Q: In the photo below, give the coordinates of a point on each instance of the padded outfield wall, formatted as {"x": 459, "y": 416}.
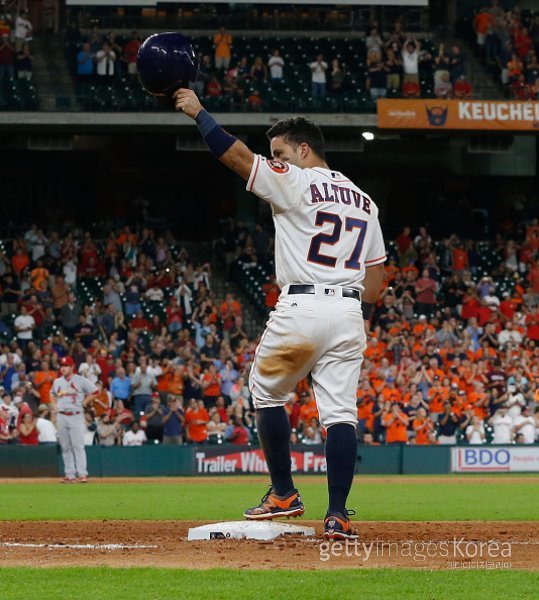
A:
{"x": 168, "y": 461}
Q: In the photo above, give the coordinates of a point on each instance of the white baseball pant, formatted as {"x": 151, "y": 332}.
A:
{"x": 71, "y": 430}
{"x": 322, "y": 334}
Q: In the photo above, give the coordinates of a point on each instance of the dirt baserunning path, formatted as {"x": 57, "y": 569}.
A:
{"x": 432, "y": 545}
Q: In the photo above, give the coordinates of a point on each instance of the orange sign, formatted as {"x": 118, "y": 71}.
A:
{"x": 436, "y": 114}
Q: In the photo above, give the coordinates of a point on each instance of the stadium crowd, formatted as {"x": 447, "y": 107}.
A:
{"x": 16, "y": 33}
{"x": 453, "y": 349}
{"x": 384, "y": 62}
{"x": 453, "y": 352}
{"x": 508, "y": 41}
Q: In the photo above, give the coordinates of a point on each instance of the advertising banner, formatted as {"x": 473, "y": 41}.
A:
{"x": 435, "y": 114}
{"x": 495, "y": 459}
{"x": 222, "y": 460}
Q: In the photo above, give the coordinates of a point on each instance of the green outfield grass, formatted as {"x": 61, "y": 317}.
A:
{"x": 376, "y": 499}
{"x": 168, "y": 584}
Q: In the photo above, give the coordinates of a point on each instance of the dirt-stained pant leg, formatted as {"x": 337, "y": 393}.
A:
{"x": 287, "y": 351}
{"x": 308, "y": 333}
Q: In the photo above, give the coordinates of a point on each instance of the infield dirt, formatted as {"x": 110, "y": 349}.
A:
{"x": 171, "y": 548}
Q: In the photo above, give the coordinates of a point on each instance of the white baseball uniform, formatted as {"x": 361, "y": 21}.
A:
{"x": 326, "y": 233}
{"x": 69, "y": 395}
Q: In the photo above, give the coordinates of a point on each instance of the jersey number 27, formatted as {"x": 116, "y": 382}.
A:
{"x": 350, "y": 224}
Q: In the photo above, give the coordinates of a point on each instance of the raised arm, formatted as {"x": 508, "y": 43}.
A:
{"x": 228, "y": 149}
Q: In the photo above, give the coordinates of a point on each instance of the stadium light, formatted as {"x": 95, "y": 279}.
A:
{"x": 368, "y": 136}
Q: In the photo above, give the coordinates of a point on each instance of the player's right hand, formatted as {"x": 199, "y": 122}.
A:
{"x": 186, "y": 100}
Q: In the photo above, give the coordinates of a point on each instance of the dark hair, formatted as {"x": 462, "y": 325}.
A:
{"x": 298, "y": 130}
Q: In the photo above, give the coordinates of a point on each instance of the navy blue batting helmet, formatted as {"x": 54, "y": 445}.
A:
{"x": 165, "y": 63}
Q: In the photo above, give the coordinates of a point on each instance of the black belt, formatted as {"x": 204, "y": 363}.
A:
{"x": 329, "y": 291}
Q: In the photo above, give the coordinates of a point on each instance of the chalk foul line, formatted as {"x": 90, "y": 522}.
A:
{"x": 78, "y": 546}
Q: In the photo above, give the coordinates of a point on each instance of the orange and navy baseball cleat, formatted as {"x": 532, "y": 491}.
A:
{"x": 339, "y": 527}
{"x": 273, "y": 506}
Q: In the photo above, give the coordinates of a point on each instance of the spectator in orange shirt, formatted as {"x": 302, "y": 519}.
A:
{"x": 421, "y": 326}
{"x": 271, "y": 292}
{"x": 222, "y": 43}
{"x": 422, "y": 425}
{"x": 39, "y": 276}
{"x": 19, "y": 261}
{"x": 307, "y": 410}
{"x": 196, "y": 421}
{"x": 230, "y": 309}
{"x": 375, "y": 350}
{"x": 396, "y": 424}
{"x": 437, "y": 395}
{"x": 486, "y": 351}
{"x": 481, "y": 23}
{"x": 459, "y": 401}
{"x": 365, "y": 403}
{"x": 377, "y": 380}
{"x": 390, "y": 392}
{"x": 254, "y": 101}
{"x": 176, "y": 385}
{"x": 126, "y": 236}
{"x": 433, "y": 369}
{"x": 478, "y": 399}
{"x": 43, "y": 381}
{"x": 164, "y": 378}
{"x": 211, "y": 386}
{"x": 103, "y": 402}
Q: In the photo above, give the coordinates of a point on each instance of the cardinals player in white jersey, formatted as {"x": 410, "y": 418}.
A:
{"x": 329, "y": 255}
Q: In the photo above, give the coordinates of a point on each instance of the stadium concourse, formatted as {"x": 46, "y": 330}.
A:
{"x": 453, "y": 355}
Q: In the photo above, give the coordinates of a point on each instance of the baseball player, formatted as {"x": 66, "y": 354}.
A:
{"x": 329, "y": 255}
{"x": 71, "y": 393}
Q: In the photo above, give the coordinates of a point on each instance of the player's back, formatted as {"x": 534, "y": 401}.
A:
{"x": 326, "y": 228}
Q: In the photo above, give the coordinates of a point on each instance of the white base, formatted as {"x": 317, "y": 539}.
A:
{"x": 248, "y": 530}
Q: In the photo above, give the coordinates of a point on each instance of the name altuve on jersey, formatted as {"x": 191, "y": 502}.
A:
{"x": 344, "y": 195}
